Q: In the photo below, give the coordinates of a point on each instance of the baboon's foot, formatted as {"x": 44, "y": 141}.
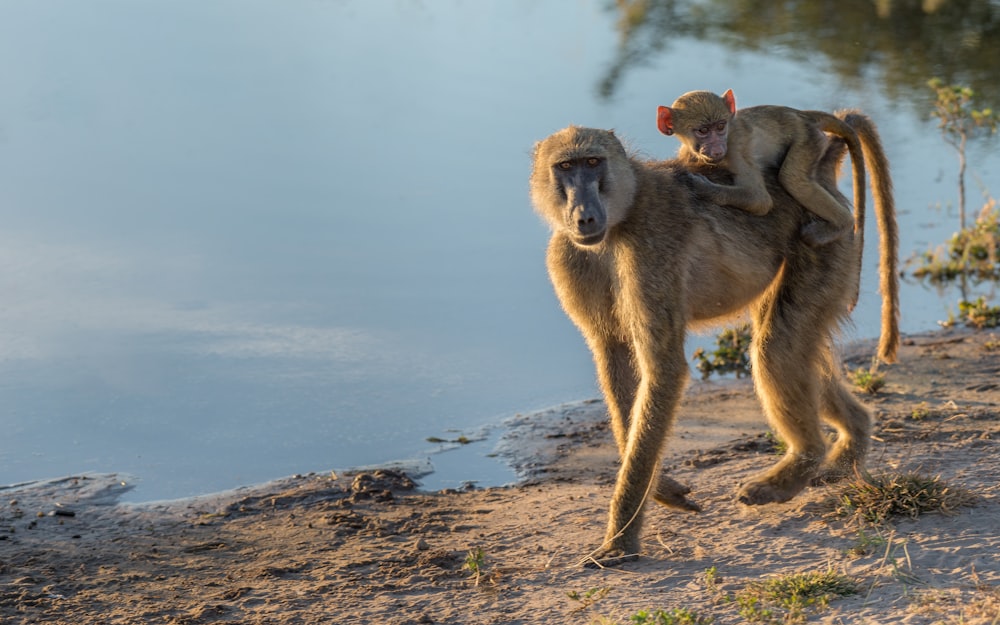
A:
{"x": 844, "y": 461}
{"x": 820, "y": 232}
{"x": 831, "y": 475}
{"x": 833, "y": 472}
{"x": 779, "y": 484}
{"x": 672, "y": 494}
{"x": 609, "y": 558}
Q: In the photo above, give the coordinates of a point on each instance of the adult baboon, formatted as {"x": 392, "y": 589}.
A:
{"x": 635, "y": 260}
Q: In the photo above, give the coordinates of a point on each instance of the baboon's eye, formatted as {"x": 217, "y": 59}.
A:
{"x": 565, "y": 165}
{"x": 720, "y": 126}
{"x": 593, "y": 161}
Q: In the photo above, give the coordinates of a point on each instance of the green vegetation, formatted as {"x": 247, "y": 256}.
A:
{"x": 921, "y": 412}
{"x": 971, "y": 252}
{"x": 475, "y": 562}
{"x": 875, "y": 500}
{"x": 991, "y": 344}
{"x": 979, "y": 314}
{"x": 791, "y": 598}
{"x": 589, "y": 598}
{"x": 676, "y": 616}
{"x": 868, "y": 380}
{"x": 959, "y": 122}
{"x": 730, "y": 355}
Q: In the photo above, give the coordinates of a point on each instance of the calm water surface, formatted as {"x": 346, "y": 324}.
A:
{"x": 241, "y": 240}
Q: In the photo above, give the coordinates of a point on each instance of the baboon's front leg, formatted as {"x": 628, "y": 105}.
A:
{"x": 617, "y": 377}
{"x": 664, "y": 375}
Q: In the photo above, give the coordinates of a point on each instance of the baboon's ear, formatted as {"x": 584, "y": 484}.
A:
{"x": 665, "y": 120}
{"x": 730, "y": 99}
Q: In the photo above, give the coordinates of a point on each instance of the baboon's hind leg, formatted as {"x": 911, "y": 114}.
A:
{"x": 798, "y": 177}
{"x": 785, "y": 377}
{"x": 792, "y": 327}
{"x": 852, "y": 421}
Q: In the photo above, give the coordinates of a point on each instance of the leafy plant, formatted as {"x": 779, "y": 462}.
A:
{"x": 971, "y": 251}
{"x": 712, "y": 580}
{"x": 590, "y": 597}
{"x": 978, "y": 314}
{"x": 730, "y": 356}
{"x": 675, "y": 616}
{"x": 780, "y": 446}
{"x": 991, "y": 344}
{"x": 959, "y": 122}
{"x": 474, "y": 562}
{"x": 921, "y": 412}
{"x": 868, "y": 380}
{"x": 789, "y": 598}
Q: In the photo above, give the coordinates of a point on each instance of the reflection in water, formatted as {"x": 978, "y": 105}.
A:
{"x": 894, "y": 45}
{"x": 245, "y": 239}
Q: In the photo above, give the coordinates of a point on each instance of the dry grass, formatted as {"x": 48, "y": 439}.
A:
{"x": 876, "y": 500}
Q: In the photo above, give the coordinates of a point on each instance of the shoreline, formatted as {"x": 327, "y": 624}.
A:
{"x": 371, "y": 548}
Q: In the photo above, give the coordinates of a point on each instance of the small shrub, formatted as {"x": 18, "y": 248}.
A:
{"x": 991, "y": 344}
{"x": 712, "y": 580}
{"x": 474, "y": 562}
{"x": 978, "y": 314}
{"x": 921, "y": 412}
{"x": 589, "y": 598}
{"x": 868, "y": 380}
{"x": 959, "y": 123}
{"x": 676, "y": 616}
{"x": 971, "y": 252}
{"x": 780, "y": 446}
{"x": 875, "y": 500}
{"x": 730, "y": 356}
{"x": 789, "y": 598}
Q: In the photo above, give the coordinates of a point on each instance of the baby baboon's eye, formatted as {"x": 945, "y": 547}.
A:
{"x": 565, "y": 165}
{"x": 593, "y": 161}
{"x": 720, "y": 126}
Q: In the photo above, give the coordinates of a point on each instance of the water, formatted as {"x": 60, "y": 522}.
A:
{"x": 246, "y": 239}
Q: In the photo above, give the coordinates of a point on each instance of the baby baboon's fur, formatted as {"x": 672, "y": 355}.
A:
{"x": 635, "y": 260}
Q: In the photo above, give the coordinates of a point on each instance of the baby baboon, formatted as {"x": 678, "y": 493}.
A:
{"x": 636, "y": 258}
{"x": 744, "y": 143}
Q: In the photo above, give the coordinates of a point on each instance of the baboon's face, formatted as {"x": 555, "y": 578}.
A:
{"x": 700, "y": 119}
{"x": 578, "y": 182}
{"x": 579, "y": 185}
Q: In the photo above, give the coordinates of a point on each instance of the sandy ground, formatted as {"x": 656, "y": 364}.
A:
{"x": 370, "y": 548}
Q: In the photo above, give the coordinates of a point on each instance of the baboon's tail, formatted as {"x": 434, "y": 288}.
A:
{"x": 837, "y": 126}
{"x": 885, "y": 214}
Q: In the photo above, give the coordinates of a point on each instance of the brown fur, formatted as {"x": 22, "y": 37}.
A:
{"x": 713, "y": 132}
{"x": 636, "y": 259}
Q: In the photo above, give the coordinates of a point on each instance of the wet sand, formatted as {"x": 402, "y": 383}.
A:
{"x": 372, "y": 548}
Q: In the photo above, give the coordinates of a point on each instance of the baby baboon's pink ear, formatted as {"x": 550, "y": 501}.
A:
{"x": 730, "y": 99}
{"x": 664, "y": 120}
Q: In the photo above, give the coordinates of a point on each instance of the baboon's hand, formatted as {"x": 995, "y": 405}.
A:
{"x": 702, "y": 186}
{"x": 673, "y": 494}
{"x": 818, "y": 232}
